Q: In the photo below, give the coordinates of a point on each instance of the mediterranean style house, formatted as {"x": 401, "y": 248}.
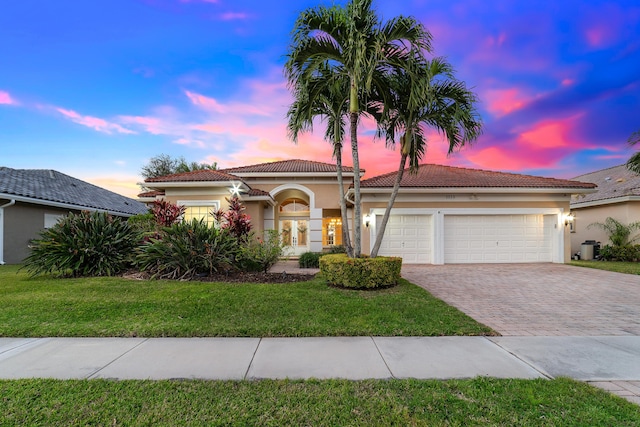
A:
{"x": 442, "y": 214}
{"x": 618, "y": 197}
{"x": 34, "y": 199}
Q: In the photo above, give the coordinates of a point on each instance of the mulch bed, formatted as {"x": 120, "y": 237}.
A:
{"x": 236, "y": 277}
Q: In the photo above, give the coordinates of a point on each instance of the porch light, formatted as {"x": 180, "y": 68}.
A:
{"x": 367, "y": 220}
{"x": 569, "y": 218}
{"x": 235, "y": 189}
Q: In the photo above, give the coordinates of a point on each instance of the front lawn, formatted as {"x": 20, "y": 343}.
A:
{"x": 117, "y": 307}
{"x": 619, "y": 267}
{"x": 481, "y": 401}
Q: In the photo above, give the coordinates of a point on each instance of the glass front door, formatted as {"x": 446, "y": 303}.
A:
{"x": 295, "y": 235}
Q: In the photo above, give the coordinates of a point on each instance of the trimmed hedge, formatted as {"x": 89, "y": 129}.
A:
{"x": 361, "y": 273}
{"x": 309, "y": 260}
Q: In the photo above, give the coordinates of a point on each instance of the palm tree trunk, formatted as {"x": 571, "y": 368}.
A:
{"x": 357, "y": 226}
{"x": 346, "y": 239}
{"x": 383, "y": 224}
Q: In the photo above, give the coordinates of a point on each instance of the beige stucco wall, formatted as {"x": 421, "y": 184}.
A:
{"x": 625, "y": 212}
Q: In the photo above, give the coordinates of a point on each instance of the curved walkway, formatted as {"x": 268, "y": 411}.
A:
{"x": 537, "y": 299}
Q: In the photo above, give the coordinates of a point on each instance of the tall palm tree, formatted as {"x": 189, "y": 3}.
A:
{"x": 326, "y": 95}
{"x": 352, "y": 42}
{"x": 633, "y": 164}
{"x": 429, "y": 96}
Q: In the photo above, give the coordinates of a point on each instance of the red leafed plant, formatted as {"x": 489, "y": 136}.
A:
{"x": 235, "y": 219}
{"x": 167, "y": 213}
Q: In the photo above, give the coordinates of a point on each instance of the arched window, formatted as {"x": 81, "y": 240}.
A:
{"x": 294, "y": 205}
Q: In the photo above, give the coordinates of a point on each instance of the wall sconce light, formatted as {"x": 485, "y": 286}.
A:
{"x": 569, "y": 218}
{"x": 367, "y": 220}
{"x": 235, "y": 189}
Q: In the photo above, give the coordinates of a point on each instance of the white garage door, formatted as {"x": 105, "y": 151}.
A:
{"x": 498, "y": 238}
{"x": 407, "y": 236}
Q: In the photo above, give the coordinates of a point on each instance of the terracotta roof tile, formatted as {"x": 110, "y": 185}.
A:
{"x": 438, "y": 176}
{"x": 153, "y": 193}
{"x": 199, "y": 175}
{"x": 255, "y": 192}
{"x": 612, "y": 182}
{"x": 289, "y": 166}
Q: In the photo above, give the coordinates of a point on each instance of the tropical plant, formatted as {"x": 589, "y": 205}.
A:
{"x": 260, "y": 254}
{"x": 326, "y": 96}
{"x": 619, "y": 234}
{"x": 188, "y": 249}
{"x": 167, "y": 213}
{"x": 235, "y": 220}
{"x": 354, "y": 45}
{"x": 309, "y": 260}
{"x": 425, "y": 96}
{"x": 164, "y": 164}
{"x": 83, "y": 244}
{"x": 633, "y": 164}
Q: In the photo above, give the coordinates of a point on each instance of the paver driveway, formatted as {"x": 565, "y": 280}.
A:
{"x": 537, "y": 299}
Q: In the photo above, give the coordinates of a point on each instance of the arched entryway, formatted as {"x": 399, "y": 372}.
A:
{"x": 293, "y": 210}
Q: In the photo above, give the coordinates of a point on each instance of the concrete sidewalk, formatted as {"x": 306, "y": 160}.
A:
{"x": 583, "y": 358}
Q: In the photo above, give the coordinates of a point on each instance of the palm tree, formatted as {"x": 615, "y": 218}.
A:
{"x": 619, "y": 234}
{"x": 430, "y": 96}
{"x": 353, "y": 43}
{"x": 633, "y": 164}
{"x": 325, "y": 95}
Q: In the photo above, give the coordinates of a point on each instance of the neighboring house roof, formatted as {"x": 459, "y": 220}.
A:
{"x": 613, "y": 183}
{"x": 438, "y": 176}
{"x": 206, "y": 175}
{"x": 289, "y": 166}
{"x": 53, "y": 188}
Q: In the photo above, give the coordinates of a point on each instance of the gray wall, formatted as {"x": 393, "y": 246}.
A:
{"x": 22, "y": 223}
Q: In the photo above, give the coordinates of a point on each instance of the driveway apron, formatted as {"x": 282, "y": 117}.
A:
{"x": 537, "y": 299}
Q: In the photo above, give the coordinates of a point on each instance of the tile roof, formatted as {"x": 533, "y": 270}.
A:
{"x": 612, "y": 182}
{"x": 255, "y": 192}
{"x": 289, "y": 166}
{"x": 53, "y": 186}
{"x": 438, "y": 176}
{"x": 152, "y": 193}
{"x": 199, "y": 175}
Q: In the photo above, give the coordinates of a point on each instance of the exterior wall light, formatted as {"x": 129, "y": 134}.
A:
{"x": 569, "y": 218}
{"x": 367, "y": 220}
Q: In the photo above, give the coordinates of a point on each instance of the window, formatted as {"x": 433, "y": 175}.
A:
{"x": 200, "y": 209}
{"x": 51, "y": 219}
{"x": 294, "y": 206}
{"x": 331, "y": 231}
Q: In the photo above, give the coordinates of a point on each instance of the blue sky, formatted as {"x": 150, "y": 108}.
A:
{"x": 96, "y": 88}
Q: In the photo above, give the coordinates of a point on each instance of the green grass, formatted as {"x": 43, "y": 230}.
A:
{"x": 117, "y": 307}
{"x": 619, "y": 267}
{"x": 480, "y": 401}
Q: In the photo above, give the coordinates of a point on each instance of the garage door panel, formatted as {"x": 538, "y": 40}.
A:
{"x": 498, "y": 238}
{"x": 407, "y": 236}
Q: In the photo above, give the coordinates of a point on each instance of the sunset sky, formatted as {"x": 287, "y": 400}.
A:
{"x": 94, "y": 89}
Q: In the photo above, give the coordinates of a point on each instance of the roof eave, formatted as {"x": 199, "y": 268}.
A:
{"x": 293, "y": 174}
{"x": 63, "y": 205}
{"x": 449, "y": 190}
{"x": 609, "y": 201}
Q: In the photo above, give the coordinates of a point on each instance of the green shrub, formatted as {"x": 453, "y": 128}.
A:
{"x": 360, "y": 273}
{"x": 144, "y": 224}
{"x": 260, "y": 254}
{"x": 620, "y": 253}
{"x": 309, "y": 260}
{"x": 84, "y": 244}
{"x": 188, "y": 249}
{"x": 337, "y": 249}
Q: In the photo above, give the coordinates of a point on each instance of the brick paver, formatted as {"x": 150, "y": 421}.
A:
{"x": 629, "y": 390}
{"x": 537, "y": 299}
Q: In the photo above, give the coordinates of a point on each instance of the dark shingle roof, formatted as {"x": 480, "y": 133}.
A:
{"x": 205, "y": 175}
{"x": 289, "y": 166}
{"x": 438, "y": 176}
{"x": 55, "y": 187}
{"x": 612, "y": 182}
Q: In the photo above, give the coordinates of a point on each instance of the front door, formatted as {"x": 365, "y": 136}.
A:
{"x": 295, "y": 236}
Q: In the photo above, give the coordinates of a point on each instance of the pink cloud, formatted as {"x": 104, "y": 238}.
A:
{"x": 94, "y": 123}
{"x": 6, "y": 99}
{"x": 551, "y": 134}
{"x": 213, "y": 106}
{"x": 504, "y": 101}
{"x": 233, "y": 16}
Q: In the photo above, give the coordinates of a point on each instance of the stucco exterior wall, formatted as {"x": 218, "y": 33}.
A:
{"x": 625, "y": 212}
{"x": 23, "y": 223}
